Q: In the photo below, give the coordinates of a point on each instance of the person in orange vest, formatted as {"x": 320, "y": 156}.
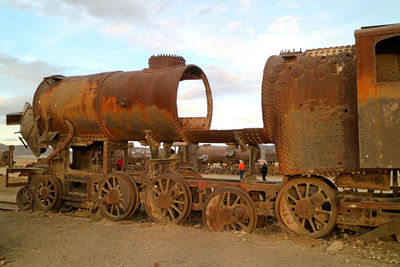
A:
{"x": 241, "y": 169}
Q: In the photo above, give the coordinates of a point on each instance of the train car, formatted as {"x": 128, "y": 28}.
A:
{"x": 334, "y": 113}
{"x": 222, "y": 159}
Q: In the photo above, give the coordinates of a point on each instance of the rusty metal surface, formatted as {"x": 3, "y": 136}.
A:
{"x": 229, "y": 209}
{"x": 370, "y": 180}
{"x": 378, "y": 88}
{"x": 167, "y": 198}
{"x": 387, "y": 229}
{"x": 118, "y": 196}
{"x": 366, "y": 209}
{"x": 25, "y": 198}
{"x": 121, "y": 105}
{"x": 306, "y": 206}
{"x": 310, "y": 111}
{"x": 248, "y": 136}
{"x": 204, "y": 186}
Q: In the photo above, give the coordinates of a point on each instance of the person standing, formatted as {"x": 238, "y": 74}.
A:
{"x": 241, "y": 169}
{"x": 264, "y": 170}
{"x": 120, "y": 164}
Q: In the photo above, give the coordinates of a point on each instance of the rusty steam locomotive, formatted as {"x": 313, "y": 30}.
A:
{"x": 332, "y": 113}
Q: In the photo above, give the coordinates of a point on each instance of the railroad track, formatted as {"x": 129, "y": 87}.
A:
{"x": 8, "y": 205}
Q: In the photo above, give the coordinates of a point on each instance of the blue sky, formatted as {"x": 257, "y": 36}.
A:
{"x": 229, "y": 40}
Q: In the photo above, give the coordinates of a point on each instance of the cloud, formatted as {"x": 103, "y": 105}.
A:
{"x": 284, "y": 24}
{"x": 287, "y": 5}
{"x": 7, "y": 135}
{"x": 137, "y": 11}
{"x": 236, "y": 113}
{"x": 245, "y": 4}
{"x": 26, "y": 71}
{"x": 9, "y": 105}
{"x": 234, "y": 25}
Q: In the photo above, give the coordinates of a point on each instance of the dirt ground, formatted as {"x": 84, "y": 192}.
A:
{"x": 79, "y": 238}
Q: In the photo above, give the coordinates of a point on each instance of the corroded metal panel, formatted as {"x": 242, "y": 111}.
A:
{"x": 378, "y": 86}
{"x": 310, "y": 112}
{"x": 372, "y": 180}
{"x": 245, "y": 136}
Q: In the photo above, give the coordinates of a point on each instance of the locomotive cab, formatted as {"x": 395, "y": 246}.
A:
{"x": 378, "y": 90}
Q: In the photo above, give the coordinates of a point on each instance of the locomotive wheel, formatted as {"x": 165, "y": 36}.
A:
{"x": 118, "y": 196}
{"x": 136, "y": 196}
{"x": 25, "y": 198}
{"x": 306, "y": 206}
{"x": 48, "y": 192}
{"x": 168, "y": 199}
{"x": 229, "y": 209}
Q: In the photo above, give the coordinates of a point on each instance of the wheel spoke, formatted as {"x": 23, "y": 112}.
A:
{"x": 221, "y": 200}
{"x": 156, "y": 191}
{"x": 307, "y": 189}
{"x": 228, "y": 199}
{"x": 171, "y": 213}
{"x": 291, "y": 197}
{"x": 178, "y": 202}
{"x": 241, "y": 225}
{"x": 234, "y": 227}
{"x": 320, "y": 220}
{"x": 323, "y": 211}
{"x": 108, "y": 183}
{"x": 175, "y": 208}
{"x": 297, "y": 191}
{"x": 167, "y": 186}
{"x": 160, "y": 182}
{"x": 103, "y": 189}
{"x": 178, "y": 195}
{"x": 236, "y": 200}
{"x": 312, "y": 224}
{"x": 117, "y": 208}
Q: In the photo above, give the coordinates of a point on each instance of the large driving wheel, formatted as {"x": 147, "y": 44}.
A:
{"x": 25, "y": 198}
{"x": 167, "y": 198}
{"x": 229, "y": 209}
{"x": 306, "y": 206}
{"x": 118, "y": 196}
{"x": 48, "y": 192}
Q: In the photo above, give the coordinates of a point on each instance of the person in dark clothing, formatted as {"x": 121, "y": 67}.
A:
{"x": 264, "y": 170}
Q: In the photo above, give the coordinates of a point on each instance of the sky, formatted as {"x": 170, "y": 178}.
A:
{"x": 229, "y": 40}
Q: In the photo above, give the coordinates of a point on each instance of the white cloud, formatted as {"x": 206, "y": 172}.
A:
{"x": 284, "y": 24}
{"x": 116, "y": 30}
{"x": 33, "y": 71}
{"x": 288, "y": 5}
{"x": 245, "y": 4}
{"x": 236, "y": 113}
{"x": 234, "y": 25}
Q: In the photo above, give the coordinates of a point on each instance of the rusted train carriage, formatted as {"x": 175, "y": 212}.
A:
{"x": 332, "y": 113}
{"x": 221, "y": 159}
